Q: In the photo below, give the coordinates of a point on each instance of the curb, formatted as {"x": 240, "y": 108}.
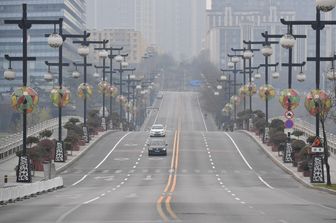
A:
{"x": 65, "y": 166}
{"x": 286, "y": 169}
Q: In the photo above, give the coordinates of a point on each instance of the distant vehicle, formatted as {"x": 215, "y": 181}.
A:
{"x": 159, "y": 96}
{"x": 157, "y": 130}
{"x": 157, "y": 147}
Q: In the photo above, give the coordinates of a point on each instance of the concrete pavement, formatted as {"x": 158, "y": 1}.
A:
{"x": 8, "y": 167}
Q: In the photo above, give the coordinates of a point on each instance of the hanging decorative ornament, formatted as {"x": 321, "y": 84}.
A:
{"x": 251, "y": 89}
{"x": 243, "y": 90}
{"x": 24, "y": 98}
{"x": 228, "y": 108}
{"x": 235, "y": 99}
{"x": 113, "y": 91}
{"x": 84, "y": 91}
{"x": 289, "y": 99}
{"x": 318, "y": 102}
{"x": 267, "y": 92}
{"x": 103, "y": 87}
{"x": 60, "y": 97}
{"x": 287, "y": 41}
{"x": 325, "y": 5}
{"x": 121, "y": 99}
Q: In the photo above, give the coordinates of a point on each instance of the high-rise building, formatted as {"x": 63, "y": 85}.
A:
{"x": 132, "y": 42}
{"x": 73, "y": 14}
{"x": 145, "y": 20}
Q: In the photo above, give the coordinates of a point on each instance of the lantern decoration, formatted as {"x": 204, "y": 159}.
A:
{"x": 24, "y": 98}
{"x": 289, "y": 99}
{"x": 235, "y": 100}
{"x": 275, "y": 75}
{"x": 55, "y": 40}
{"x": 325, "y": 5}
{"x": 128, "y": 107}
{"x": 301, "y": 76}
{"x": 103, "y": 54}
{"x": 119, "y": 58}
{"x": 216, "y": 93}
{"x": 96, "y": 75}
{"x": 60, "y": 97}
{"x": 9, "y": 74}
{"x": 331, "y": 74}
{"x": 113, "y": 91}
{"x": 267, "y": 92}
{"x": 223, "y": 77}
{"x": 235, "y": 59}
{"x": 318, "y": 102}
{"x": 75, "y": 74}
{"x": 267, "y": 50}
{"x": 257, "y": 75}
{"x": 228, "y": 108}
{"x": 230, "y": 64}
{"x": 84, "y": 90}
{"x": 287, "y": 41}
{"x": 251, "y": 89}
{"x": 48, "y": 76}
{"x": 243, "y": 90}
{"x": 121, "y": 99}
{"x": 219, "y": 87}
{"x": 248, "y": 54}
{"x": 124, "y": 65}
{"x": 103, "y": 87}
{"x": 83, "y": 50}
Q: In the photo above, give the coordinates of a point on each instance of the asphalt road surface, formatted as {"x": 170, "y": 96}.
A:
{"x": 207, "y": 176}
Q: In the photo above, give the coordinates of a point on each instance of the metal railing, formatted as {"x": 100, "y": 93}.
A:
{"x": 11, "y": 144}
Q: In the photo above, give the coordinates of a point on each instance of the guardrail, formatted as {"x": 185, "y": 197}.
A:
{"x": 16, "y": 193}
{"x": 13, "y": 143}
{"x": 309, "y": 130}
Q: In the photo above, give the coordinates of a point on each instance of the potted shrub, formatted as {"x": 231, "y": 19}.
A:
{"x": 297, "y": 145}
{"x": 276, "y": 139}
{"x": 297, "y": 133}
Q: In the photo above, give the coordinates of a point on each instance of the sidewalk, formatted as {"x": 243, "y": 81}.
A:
{"x": 288, "y": 167}
{"x": 7, "y": 167}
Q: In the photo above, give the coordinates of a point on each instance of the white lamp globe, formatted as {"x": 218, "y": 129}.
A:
{"x": 96, "y": 75}
{"x": 219, "y": 87}
{"x": 132, "y": 77}
{"x": 223, "y": 78}
{"x": 267, "y": 51}
{"x": 230, "y": 64}
{"x": 138, "y": 87}
{"x": 124, "y": 64}
{"x": 10, "y": 74}
{"x": 331, "y": 74}
{"x": 83, "y": 50}
{"x": 287, "y": 41}
{"x": 103, "y": 54}
{"x": 119, "y": 58}
{"x": 248, "y": 54}
{"x": 275, "y": 75}
{"x": 216, "y": 93}
{"x": 75, "y": 74}
{"x": 325, "y": 5}
{"x": 301, "y": 77}
{"x": 257, "y": 76}
{"x": 55, "y": 40}
{"x": 48, "y": 76}
{"x": 235, "y": 59}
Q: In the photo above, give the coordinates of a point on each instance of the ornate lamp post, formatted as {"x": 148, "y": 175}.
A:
{"x": 26, "y": 98}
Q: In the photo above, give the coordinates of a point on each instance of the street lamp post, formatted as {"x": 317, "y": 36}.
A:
{"x": 24, "y": 169}
{"x": 317, "y": 25}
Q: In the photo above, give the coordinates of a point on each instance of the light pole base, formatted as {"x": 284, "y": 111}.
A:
{"x": 266, "y": 135}
{"x": 59, "y": 152}
{"x": 103, "y": 124}
{"x": 23, "y": 173}
{"x": 317, "y": 174}
{"x": 111, "y": 125}
{"x": 287, "y": 154}
{"x": 86, "y": 135}
{"x": 250, "y": 124}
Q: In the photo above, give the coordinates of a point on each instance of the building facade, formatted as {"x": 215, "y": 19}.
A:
{"x": 132, "y": 42}
{"x": 73, "y": 14}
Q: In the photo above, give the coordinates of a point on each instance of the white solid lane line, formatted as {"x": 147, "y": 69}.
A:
{"x": 115, "y": 146}
{"x": 87, "y": 202}
{"x": 199, "y": 105}
{"x": 249, "y": 166}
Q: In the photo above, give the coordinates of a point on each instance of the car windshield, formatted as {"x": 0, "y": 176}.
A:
{"x": 157, "y": 127}
{"x": 157, "y": 143}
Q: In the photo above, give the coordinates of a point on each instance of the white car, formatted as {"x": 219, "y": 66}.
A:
{"x": 157, "y": 130}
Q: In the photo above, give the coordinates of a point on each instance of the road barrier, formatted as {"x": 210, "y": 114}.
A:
{"x": 11, "y": 144}
{"x": 17, "y": 193}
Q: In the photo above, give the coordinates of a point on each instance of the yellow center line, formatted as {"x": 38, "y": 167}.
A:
{"x": 159, "y": 209}
{"x": 169, "y": 208}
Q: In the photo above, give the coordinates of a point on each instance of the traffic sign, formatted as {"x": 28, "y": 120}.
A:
{"x": 289, "y": 124}
{"x": 289, "y": 114}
